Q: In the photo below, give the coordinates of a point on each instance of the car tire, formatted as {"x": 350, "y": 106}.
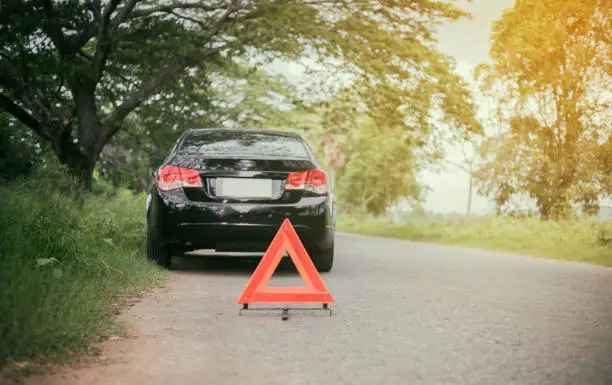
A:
{"x": 159, "y": 254}
{"x": 324, "y": 260}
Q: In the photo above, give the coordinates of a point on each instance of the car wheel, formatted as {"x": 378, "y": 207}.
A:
{"x": 323, "y": 260}
{"x": 159, "y": 254}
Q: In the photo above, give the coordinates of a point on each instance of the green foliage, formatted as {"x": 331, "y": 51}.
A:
{"x": 18, "y": 149}
{"x": 604, "y": 236}
{"x": 161, "y": 58}
{"x": 63, "y": 267}
{"x": 563, "y": 240}
{"x": 551, "y": 64}
{"x": 379, "y": 171}
{"x": 401, "y": 80}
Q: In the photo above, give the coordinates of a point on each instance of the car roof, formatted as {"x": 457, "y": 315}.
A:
{"x": 196, "y": 131}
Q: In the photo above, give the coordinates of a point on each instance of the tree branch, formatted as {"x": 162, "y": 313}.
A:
{"x": 187, "y": 18}
{"x": 75, "y": 43}
{"x": 66, "y": 45}
{"x": 104, "y": 40}
{"x": 22, "y": 115}
{"x": 125, "y": 12}
{"x": 154, "y": 81}
{"x": 7, "y": 58}
{"x": 458, "y": 165}
{"x": 96, "y": 9}
{"x": 33, "y": 99}
{"x": 468, "y": 160}
{"x": 53, "y": 28}
{"x": 173, "y": 7}
{"x": 112, "y": 71}
{"x": 147, "y": 88}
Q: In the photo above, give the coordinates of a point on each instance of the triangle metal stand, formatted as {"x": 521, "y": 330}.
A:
{"x": 284, "y": 309}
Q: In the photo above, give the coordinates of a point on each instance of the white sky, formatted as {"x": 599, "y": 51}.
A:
{"x": 468, "y": 42}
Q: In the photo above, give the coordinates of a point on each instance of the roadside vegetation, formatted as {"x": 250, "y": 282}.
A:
{"x": 579, "y": 240}
{"x": 66, "y": 263}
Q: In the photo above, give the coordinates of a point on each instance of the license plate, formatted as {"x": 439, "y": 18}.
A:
{"x": 244, "y": 188}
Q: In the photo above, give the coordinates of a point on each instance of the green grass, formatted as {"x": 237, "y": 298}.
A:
{"x": 585, "y": 241}
{"x": 64, "y": 267}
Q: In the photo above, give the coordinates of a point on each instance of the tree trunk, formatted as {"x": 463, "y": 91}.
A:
{"x": 80, "y": 166}
{"x": 469, "y": 202}
{"x": 82, "y": 171}
{"x": 81, "y": 157}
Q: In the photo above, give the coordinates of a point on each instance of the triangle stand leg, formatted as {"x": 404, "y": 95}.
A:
{"x": 284, "y": 309}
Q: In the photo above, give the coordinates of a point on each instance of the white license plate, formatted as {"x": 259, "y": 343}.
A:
{"x": 244, "y": 188}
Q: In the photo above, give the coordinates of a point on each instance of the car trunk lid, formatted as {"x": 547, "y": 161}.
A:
{"x": 227, "y": 179}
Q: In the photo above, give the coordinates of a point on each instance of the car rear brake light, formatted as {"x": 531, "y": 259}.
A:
{"x": 311, "y": 180}
{"x": 173, "y": 177}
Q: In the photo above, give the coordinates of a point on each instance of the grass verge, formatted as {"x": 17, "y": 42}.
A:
{"x": 64, "y": 267}
{"x": 583, "y": 241}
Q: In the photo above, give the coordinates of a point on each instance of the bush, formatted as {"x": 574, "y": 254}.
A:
{"x": 62, "y": 266}
{"x": 587, "y": 241}
{"x": 18, "y": 151}
{"x": 604, "y": 235}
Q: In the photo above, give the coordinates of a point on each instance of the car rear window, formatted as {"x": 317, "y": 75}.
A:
{"x": 244, "y": 144}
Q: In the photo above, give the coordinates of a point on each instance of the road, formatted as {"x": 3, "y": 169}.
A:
{"x": 405, "y": 313}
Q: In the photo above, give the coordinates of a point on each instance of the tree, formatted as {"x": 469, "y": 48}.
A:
{"x": 551, "y": 71}
{"x": 468, "y": 165}
{"x": 379, "y": 172}
{"x": 76, "y": 71}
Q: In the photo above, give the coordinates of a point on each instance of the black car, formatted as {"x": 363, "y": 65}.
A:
{"x": 229, "y": 190}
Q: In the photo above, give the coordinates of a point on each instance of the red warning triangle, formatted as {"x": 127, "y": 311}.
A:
{"x": 285, "y": 241}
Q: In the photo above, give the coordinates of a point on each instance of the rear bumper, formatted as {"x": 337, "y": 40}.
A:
{"x": 187, "y": 225}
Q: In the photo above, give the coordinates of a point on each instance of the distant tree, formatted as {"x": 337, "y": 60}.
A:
{"x": 551, "y": 71}
{"x": 380, "y": 170}
{"x": 468, "y": 164}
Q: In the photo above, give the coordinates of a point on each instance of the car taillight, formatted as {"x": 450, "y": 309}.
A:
{"x": 173, "y": 177}
{"x": 311, "y": 180}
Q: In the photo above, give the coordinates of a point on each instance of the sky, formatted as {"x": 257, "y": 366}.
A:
{"x": 468, "y": 42}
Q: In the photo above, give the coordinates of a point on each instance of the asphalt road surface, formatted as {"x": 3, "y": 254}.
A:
{"x": 405, "y": 313}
